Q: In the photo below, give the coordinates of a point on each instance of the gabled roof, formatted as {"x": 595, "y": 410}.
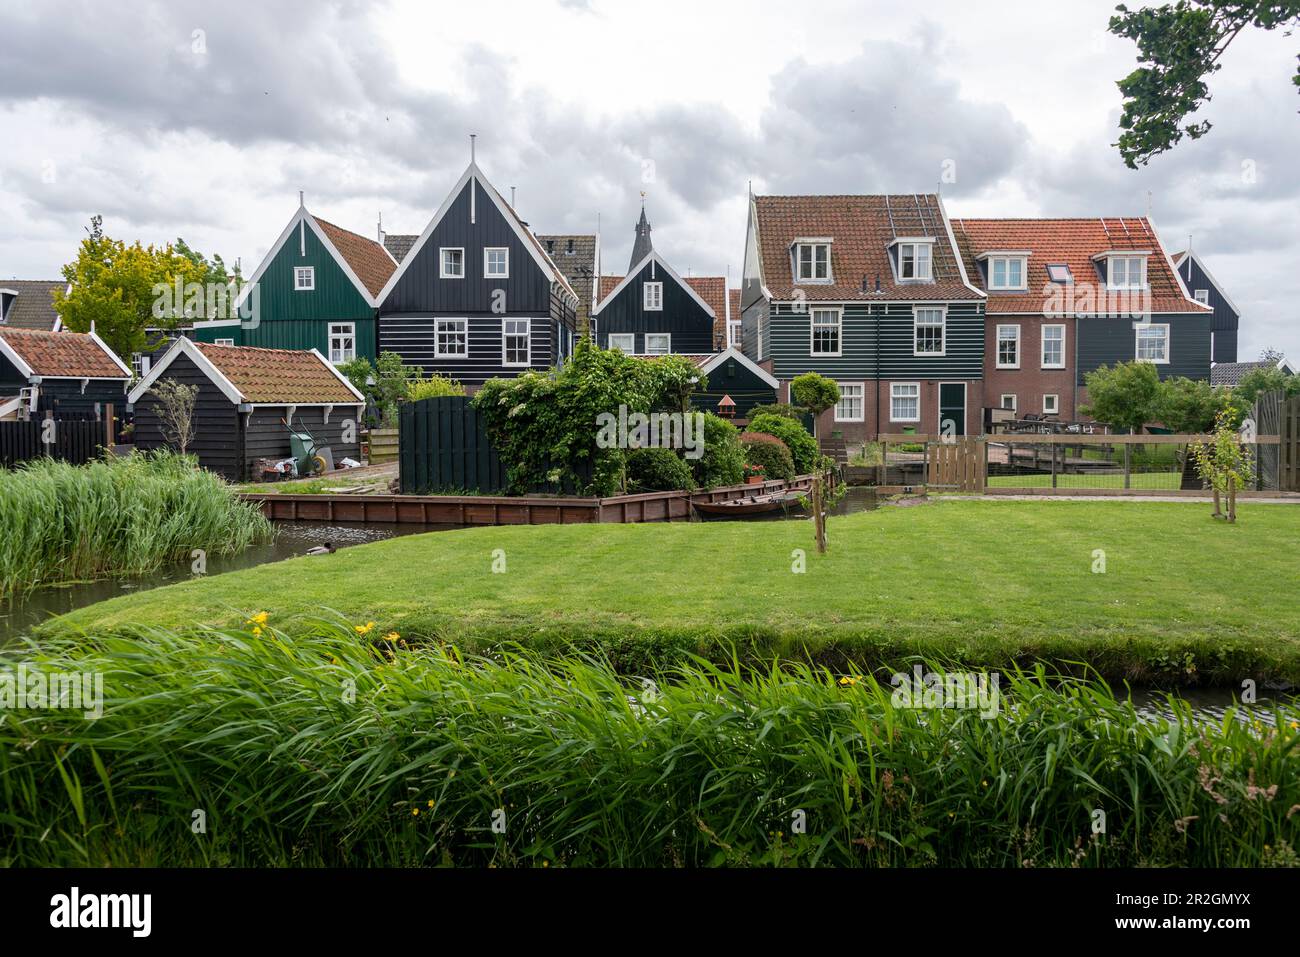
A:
{"x": 578, "y": 266}
{"x": 520, "y": 228}
{"x": 615, "y": 284}
{"x": 369, "y": 257}
{"x": 734, "y": 354}
{"x": 399, "y": 244}
{"x": 1079, "y": 244}
{"x": 1231, "y": 373}
{"x": 713, "y": 290}
{"x": 369, "y": 260}
{"x": 247, "y": 375}
{"x": 1181, "y": 255}
{"x": 61, "y": 355}
{"x": 861, "y": 230}
{"x": 30, "y": 303}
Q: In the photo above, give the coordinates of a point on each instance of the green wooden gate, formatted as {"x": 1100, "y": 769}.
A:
{"x": 443, "y": 447}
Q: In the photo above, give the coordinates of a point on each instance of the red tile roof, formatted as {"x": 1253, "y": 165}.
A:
{"x": 369, "y": 260}
{"x": 1074, "y": 243}
{"x": 55, "y": 355}
{"x": 277, "y": 375}
{"x": 861, "y": 229}
{"x": 713, "y": 290}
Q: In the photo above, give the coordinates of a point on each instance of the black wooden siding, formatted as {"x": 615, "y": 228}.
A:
{"x": 413, "y": 338}
{"x": 64, "y": 398}
{"x": 734, "y": 379}
{"x": 218, "y": 435}
{"x": 420, "y": 291}
{"x": 1226, "y": 319}
{"x": 1108, "y": 341}
{"x": 877, "y": 340}
{"x": 267, "y": 437}
{"x": 690, "y": 326}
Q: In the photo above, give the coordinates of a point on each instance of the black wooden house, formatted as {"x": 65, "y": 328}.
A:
{"x": 246, "y": 402}
{"x": 476, "y": 296}
{"x": 59, "y": 375}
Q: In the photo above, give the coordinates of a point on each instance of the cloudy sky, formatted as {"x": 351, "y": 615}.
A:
{"x": 203, "y": 120}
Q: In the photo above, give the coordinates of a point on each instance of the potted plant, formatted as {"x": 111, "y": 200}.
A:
{"x": 753, "y": 474}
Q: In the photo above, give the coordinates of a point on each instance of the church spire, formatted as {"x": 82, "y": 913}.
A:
{"x": 642, "y": 246}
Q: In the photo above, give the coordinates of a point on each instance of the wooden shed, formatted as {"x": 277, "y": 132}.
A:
{"x": 732, "y": 374}
{"x": 247, "y": 398}
{"x": 59, "y": 375}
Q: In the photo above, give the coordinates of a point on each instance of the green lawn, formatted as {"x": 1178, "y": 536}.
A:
{"x": 1139, "y": 480}
{"x": 984, "y": 582}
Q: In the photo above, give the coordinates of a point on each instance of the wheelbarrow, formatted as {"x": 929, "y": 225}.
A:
{"x": 311, "y": 457}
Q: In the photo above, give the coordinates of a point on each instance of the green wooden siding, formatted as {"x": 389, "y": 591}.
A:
{"x": 334, "y": 298}
{"x": 292, "y": 334}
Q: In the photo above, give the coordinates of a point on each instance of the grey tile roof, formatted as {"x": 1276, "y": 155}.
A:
{"x": 33, "y": 307}
{"x": 1230, "y": 373}
{"x": 399, "y": 244}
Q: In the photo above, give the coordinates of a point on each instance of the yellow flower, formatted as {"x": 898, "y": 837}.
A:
{"x": 984, "y": 784}
{"x": 391, "y": 636}
{"x": 546, "y": 863}
{"x": 848, "y": 680}
{"x": 365, "y": 629}
{"x": 1295, "y": 725}
{"x": 415, "y": 812}
{"x": 257, "y": 631}
{"x": 259, "y": 618}
{"x": 430, "y": 803}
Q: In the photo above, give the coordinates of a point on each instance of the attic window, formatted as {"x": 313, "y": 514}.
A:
{"x": 550, "y": 246}
{"x": 653, "y": 293}
{"x": 1007, "y": 272}
{"x": 569, "y": 248}
{"x": 812, "y": 262}
{"x": 1059, "y": 272}
{"x": 304, "y": 278}
{"x": 1127, "y": 272}
{"x": 914, "y": 261}
{"x": 1202, "y": 296}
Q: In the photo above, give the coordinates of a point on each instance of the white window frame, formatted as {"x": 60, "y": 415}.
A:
{"x": 438, "y": 351}
{"x": 1006, "y": 262}
{"x": 1015, "y": 402}
{"x": 487, "y": 268}
{"x": 916, "y": 262}
{"x": 799, "y": 277}
{"x": 442, "y": 262}
{"x": 1141, "y": 327}
{"x": 337, "y": 331}
{"x": 223, "y": 342}
{"x": 997, "y": 348}
{"x": 1128, "y": 261}
{"x": 668, "y": 343}
{"x": 943, "y": 329}
{"x": 301, "y": 273}
{"x": 655, "y": 302}
{"x": 1056, "y": 404}
{"x": 507, "y": 335}
{"x": 1202, "y": 296}
{"x": 861, "y": 399}
{"x": 733, "y": 333}
{"x": 1042, "y": 346}
{"x": 140, "y": 363}
{"x": 894, "y": 396}
{"x": 812, "y": 331}
{"x": 630, "y": 349}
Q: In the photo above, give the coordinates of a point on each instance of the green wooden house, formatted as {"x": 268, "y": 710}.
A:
{"x": 315, "y": 289}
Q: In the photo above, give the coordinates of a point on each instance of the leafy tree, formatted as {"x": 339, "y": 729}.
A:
{"x": 387, "y": 383}
{"x": 723, "y": 461}
{"x": 433, "y": 387}
{"x": 1179, "y": 46}
{"x": 1189, "y": 405}
{"x": 814, "y": 392}
{"x": 1256, "y": 381}
{"x": 782, "y": 409}
{"x": 112, "y": 289}
{"x": 1125, "y": 396}
{"x": 773, "y": 457}
{"x": 1225, "y": 464}
{"x": 215, "y": 271}
{"x": 802, "y": 446}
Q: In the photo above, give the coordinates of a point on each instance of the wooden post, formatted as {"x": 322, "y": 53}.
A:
{"x": 1128, "y": 475}
{"x": 1054, "y": 450}
{"x": 819, "y": 518}
{"x": 1232, "y": 499}
{"x": 109, "y": 437}
{"x": 884, "y": 464}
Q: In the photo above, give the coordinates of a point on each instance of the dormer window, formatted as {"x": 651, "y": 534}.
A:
{"x": 1007, "y": 272}
{"x": 1059, "y": 272}
{"x": 914, "y": 261}
{"x": 1126, "y": 272}
{"x": 812, "y": 261}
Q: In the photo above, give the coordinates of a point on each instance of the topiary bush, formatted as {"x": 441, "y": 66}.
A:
{"x": 802, "y": 446}
{"x": 783, "y": 409}
{"x": 771, "y": 454}
{"x": 723, "y": 461}
{"x": 658, "y": 470}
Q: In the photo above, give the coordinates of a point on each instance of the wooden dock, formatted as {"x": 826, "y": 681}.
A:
{"x": 504, "y": 510}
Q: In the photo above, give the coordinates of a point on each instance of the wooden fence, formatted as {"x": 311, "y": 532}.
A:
{"x": 75, "y": 441}
{"x": 443, "y": 446}
{"x": 1289, "y": 454}
{"x": 383, "y": 446}
{"x": 958, "y": 465}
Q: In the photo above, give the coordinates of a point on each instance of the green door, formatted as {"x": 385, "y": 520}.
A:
{"x": 952, "y": 408}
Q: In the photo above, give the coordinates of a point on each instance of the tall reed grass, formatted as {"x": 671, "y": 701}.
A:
{"x": 335, "y": 749}
{"x": 119, "y": 516}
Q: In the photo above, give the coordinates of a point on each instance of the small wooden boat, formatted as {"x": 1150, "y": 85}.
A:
{"x": 750, "y": 504}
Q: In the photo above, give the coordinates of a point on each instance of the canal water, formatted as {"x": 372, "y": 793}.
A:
{"x": 17, "y": 616}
